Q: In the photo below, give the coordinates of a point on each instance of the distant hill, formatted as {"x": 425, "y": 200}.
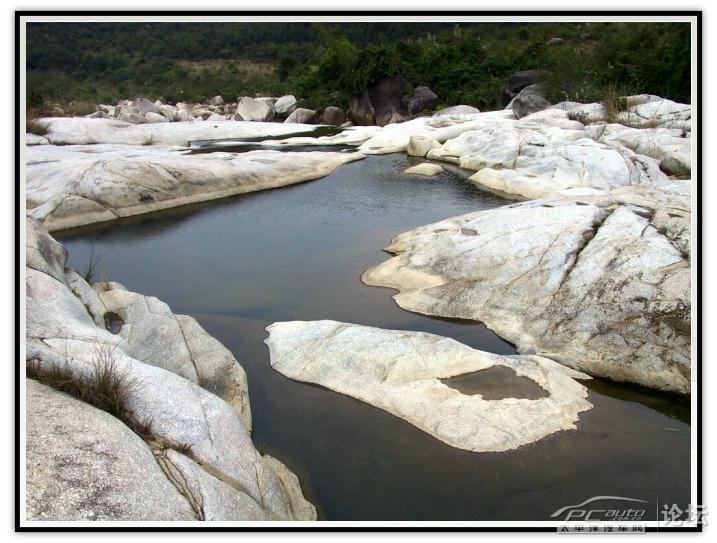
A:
{"x": 326, "y": 63}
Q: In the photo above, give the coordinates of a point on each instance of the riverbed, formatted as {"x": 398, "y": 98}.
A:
{"x": 297, "y": 253}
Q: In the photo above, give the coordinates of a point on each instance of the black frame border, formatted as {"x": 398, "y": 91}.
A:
{"x": 279, "y": 13}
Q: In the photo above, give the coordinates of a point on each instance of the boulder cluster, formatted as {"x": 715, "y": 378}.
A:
{"x": 392, "y": 100}
{"x": 246, "y": 108}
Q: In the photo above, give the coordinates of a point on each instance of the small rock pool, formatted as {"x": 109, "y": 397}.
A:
{"x": 297, "y": 253}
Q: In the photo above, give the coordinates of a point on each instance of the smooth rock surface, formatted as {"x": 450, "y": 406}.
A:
{"x": 216, "y": 467}
{"x": 540, "y": 170}
{"x": 420, "y": 145}
{"x": 670, "y": 146}
{"x": 301, "y": 115}
{"x": 82, "y": 131}
{"x": 333, "y": 116}
{"x": 75, "y": 185}
{"x": 400, "y": 372}
{"x": 457, "y": 110}
{"x": 254, "y": 109}
{"x": 529, "y": 100}
{"x": 84, "y": 464}
{"x": 517, "y": 82}
{"x": 423, "y": 98}
{"x": 285, "y": 104}
{"x": 656, "y": 111}
{"x": 34, "y": 139}
{"x": 426, "y": 168}
{"x": 178, "y": 344}
{"x": 597, "y": 280}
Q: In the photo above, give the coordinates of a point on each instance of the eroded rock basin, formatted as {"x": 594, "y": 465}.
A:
{"x": 297, "y": 253}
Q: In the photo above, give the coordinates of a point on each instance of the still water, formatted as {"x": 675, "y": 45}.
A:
{"x": 297, "y": 253}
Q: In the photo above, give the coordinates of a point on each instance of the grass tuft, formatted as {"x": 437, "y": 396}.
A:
{"x": 107, "y": 385}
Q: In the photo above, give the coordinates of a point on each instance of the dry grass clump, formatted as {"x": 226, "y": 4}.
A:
{"x": 107, "y": 385}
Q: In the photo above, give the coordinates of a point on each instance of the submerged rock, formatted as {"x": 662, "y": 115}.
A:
{"x": 596, "y": 280}
{"x": 98, "y": 463}
{"x": 401, "y": 372}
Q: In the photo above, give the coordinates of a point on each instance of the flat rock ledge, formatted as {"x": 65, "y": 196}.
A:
{"x": 400, "y": 372}
{"x": 182, "y": 449}
{"x": 596, "y": 280}
{"x": 75, "y": 185}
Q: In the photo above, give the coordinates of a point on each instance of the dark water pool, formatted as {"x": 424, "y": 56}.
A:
{"x": 297, "y": 254}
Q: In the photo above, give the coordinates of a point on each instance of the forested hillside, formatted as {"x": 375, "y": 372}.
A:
{"x": 327, "y": 63}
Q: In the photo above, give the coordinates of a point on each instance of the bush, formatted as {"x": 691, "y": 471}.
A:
{"x": 79, "y": 109}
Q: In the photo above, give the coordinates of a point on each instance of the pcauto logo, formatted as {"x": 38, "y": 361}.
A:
{"x": 602, "y": 508}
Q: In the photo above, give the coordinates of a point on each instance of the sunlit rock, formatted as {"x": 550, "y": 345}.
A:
{"x": 400, "y": 372}
{"x": 597, "y": 280}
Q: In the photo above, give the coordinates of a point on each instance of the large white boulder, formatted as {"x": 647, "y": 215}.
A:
{"x": 135, "y": 112}
{"x": 152, "y": 117}
{"x": 285, "y": 104}
{"x": 76, "y": 185}
{"x": 596, "y": 280}
{"x": 401, "y": 372}
{"x": 301, "y": 116}
{"x": 419, "y": 145}
{"x": 254, "y": 109}
{"x": 540, "y": 170}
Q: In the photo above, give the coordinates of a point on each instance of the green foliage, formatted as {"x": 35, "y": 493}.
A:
{"x": 628, "y": 57}
{"x": 466, "y": 63}
{"x": 81, "y": 108}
